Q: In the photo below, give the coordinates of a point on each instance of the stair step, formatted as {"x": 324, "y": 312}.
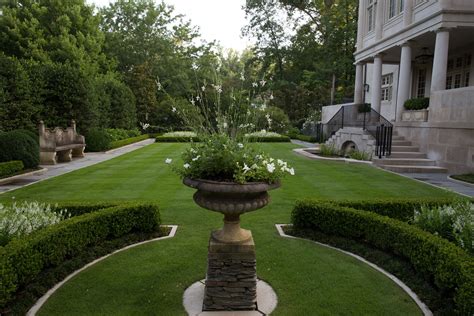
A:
{"x": 405, "y": 149}
{"x": 408, "y": 154}
{"x": 405, "y": 162}
{"x": 401, "y": 143}
{"x": 397, "y": 138}
{"x": 414, "y": 169}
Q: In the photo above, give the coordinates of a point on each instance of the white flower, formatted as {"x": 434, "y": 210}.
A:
{"x": 242, "y": 76}
{"x": 262, "y": 82}
{"x": 173, "y": 109}
{"x": 168, "y": 161}
{"x": 254, "y": 84}
{"x": 254, "y": 166}
{"x": 158, "y": 85}
{"x": 267, "y": 116}
{"x": 195, "y": 66}
{"x": 263, "y": 107}
{"x": 203, "y": 88}
{"x": 197, "y": 157}
{"x": 198, "y": 98}
{"x": 271, "y": 96}
{"x": 291, "y": 171}
{"x": 186, "y": 166}
{"x": 218, "y": 88}
{"x": 240, "y": 145}
{"x": 193, "y": 102}
{"x": 271, "y": 167}
{"x": 245, "y": 168}
{"x": 224, "y": 125}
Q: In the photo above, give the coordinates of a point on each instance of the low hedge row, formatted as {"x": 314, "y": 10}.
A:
{"x": 304, "y": 138}
{"x": 269, "y": 139}
{"x": 23, "y": 259}
{"x": 172, "y": 139}
{"x": 10, "y": 168}
{"x": 128, "y": 141}
{"x": 417, "y": 104}
{"x": 451, "y": 269}
{"x": 401, "y": 209}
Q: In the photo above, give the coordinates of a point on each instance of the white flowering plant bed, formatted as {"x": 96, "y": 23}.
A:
{"x": 21, "y": 219}
{"x": 184, "y": 134}
{"x": 221, "y": 158}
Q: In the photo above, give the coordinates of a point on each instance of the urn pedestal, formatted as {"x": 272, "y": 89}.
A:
{"x": 231, "y": 281}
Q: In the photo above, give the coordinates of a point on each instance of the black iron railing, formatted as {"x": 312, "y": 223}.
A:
{"x": 363, "y": 116}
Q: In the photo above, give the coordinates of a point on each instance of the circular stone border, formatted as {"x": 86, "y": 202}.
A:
{"x": 193, "y": 297}
{"x": 39, "y": 303}
{"x": 306, "y": 152}
{"x": 424, "y": 308}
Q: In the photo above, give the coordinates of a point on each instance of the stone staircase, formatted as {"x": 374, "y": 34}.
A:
{"x": 406, "y": 158}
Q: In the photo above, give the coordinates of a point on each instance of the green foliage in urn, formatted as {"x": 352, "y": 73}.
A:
{"x": 417, "y": 104}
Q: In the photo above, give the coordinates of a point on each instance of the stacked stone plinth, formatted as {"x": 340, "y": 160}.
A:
{"x": 231, "y": 282}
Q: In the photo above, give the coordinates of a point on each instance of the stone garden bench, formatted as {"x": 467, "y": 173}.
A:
{"x": 60, "y": 145}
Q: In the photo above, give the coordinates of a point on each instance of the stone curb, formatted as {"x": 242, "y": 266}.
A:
{"x": 19, "y": 176}
{"x": 461, "y": 182}
{"x": 426, "y": 311}
{"x": 303, "y": 152}
{"x": 424, "y": 182}
{"x": 39, "y": 303}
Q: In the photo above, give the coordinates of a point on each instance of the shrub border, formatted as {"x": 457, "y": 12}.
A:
{"x": 37, "y": 253}
{"x": 127, "y": 141}
{"x": 449, "y": 266}
{"x": 42, "y": 300}
{"x": 424, "y": 308}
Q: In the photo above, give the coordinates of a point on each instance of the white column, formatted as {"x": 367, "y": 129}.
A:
{"x": 407, "y": 12}
{"x": 359, "y": 84}
{"x": 376, "y": 88}
{"x": 440, "y": 60}
{"x": 403, "y": 79}
{"x": 360, "y": 24}
{"x": 379, "y": 20}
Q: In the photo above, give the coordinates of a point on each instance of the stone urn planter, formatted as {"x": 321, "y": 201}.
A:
{"x": 415, "y": 115}
{"x": 231, "y": 280}
{"x": 232, "y": 200}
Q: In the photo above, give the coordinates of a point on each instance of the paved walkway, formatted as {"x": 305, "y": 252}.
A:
{"x": 441, "y": 180}
{"x": 62, "y": 168}
{"x": 436, "y": 179}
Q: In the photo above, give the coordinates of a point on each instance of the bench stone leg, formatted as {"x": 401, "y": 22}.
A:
{"x": 65, "y": 155}
{"x": 48, "y": 158}
{"x": 78, "y": 152}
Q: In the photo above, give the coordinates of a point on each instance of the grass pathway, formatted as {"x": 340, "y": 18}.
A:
{"x": 151, "y": 279}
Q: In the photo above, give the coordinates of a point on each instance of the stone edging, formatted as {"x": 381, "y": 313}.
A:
{"x": 304, "y": 152}
{"x": 19, "y": 176}
{"x": 426, "y": 311}
{"x": 39, "y": 303}
{"x": 460, "y": 182}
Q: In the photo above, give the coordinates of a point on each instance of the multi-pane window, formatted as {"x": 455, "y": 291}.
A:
{"x": 371, "y": 12}
{"x": 395, "y": 7}
{"x": 387, "y": 81}
{"x": 458, "y": 75}
{"x": 421, "y": 83}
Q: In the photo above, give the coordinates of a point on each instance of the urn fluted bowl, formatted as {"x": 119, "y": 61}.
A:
{"x": 231, "y": 199}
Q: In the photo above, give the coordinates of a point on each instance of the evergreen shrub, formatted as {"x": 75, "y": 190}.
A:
{"x": 16, "y": 145}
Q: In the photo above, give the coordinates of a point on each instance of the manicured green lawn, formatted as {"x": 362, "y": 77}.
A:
{"x": 151, "y": 279}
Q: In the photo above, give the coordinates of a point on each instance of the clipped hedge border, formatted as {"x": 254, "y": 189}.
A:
{"x": 451, "y": 269}
{"x": 304, "y": 138}
{"x": 401, "y": 209}
{"x": 9, "y": 168}
{"x": 268, "y": 139}
{"x": 23, "y": 259}
{"x": 127, "y": 141}
{"x": 174, "y": 139}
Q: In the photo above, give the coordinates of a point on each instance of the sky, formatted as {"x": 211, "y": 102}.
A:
{"x": 219, "y": 20}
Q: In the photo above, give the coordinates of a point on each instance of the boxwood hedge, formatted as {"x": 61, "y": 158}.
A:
{"x": 127, "y": 141}
{"x": 449, "y": 267}
{"x": 23, "y": 259}
{"x": 10, "y": 168}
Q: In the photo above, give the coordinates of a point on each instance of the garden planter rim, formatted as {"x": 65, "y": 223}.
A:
{"x": 230, "y": 187}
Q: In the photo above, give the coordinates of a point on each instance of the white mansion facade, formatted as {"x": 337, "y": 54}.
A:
{"x": 414, "y": 49}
